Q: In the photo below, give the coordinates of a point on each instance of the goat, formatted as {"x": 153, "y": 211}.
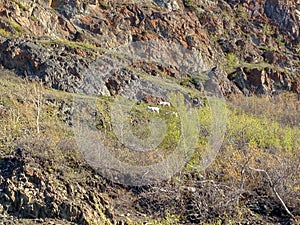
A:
{"x": 164, "y": 103}
{"x": 153, "y": 109}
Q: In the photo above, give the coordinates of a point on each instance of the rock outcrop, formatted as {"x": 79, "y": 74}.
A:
{"x": 257, "y": 33}
{"x": 52, "y": 64}
{"x": 30, "y": 190}
{"x": 259, "y": 82}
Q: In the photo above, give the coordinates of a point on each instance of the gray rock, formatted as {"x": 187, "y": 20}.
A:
{"x": 55, "y": 66}
{"x": 284, "y": 14}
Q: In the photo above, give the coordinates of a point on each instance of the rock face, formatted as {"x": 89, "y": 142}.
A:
{"x": 34, "y": 17}
{"x": 284, "y": 13}
{"x": 255, "y": 81}
{"x": 31, "y": 59}
{"x": 262, "y": 32}
{"x": 30, "y": 191}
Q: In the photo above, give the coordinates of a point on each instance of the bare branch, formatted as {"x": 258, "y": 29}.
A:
{"x": 274, "y": 190}
{"x": 243, "y": 173}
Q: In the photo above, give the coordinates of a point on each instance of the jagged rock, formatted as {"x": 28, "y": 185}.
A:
{"x": 259, "y": 81}
{"x": 113, "y": 24}
{"x": 273, "y": 57}
{"x": 33, "y": 193}
{"x": 171, "y": 5}
{"x": 227, "y": 46}
{"x": 33, "y": 60}
{"x": 295, "y": 86}
{"x": 284, "y": 13}
{"x": 240, "y": 79}
{"x": 218, "y": 84}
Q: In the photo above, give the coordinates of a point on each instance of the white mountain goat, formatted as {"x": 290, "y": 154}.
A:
{"x": 153, "y": 109}
{"x": 164, "y": 103}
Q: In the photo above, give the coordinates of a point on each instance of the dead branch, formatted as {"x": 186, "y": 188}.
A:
{"x": 274, "y": 190}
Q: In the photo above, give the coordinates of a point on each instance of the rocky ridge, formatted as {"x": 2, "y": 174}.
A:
{"x": 262, "y": 41}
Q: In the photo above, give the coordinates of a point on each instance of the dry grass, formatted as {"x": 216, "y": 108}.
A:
{"x": 284, "y": 108}
{"x": 261, "y": 133}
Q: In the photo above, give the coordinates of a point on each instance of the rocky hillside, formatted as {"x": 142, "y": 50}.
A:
{"x": 255, "y": 43}
{"x": 53, "y": 50}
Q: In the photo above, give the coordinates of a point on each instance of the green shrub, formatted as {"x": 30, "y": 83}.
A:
{"x": 16, "y": 26}
{"x": 232, "y": 62}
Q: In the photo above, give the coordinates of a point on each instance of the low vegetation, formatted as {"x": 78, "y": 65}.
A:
{"x": 255, "y": 177}
{"x": 73, "y": 45}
